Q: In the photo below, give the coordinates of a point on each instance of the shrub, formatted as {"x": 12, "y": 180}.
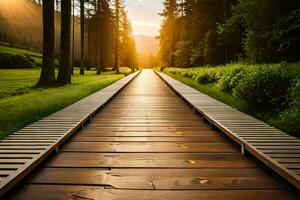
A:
{"x": 8, "y": 61}
{"x": 230, "y": 80}
{"x": 290, "y": 118}
{"x": 209, "y": 77}
{"x": 189, "y": 75}
{"x": 21, "y": 61}
{"x": 264, "y": 89}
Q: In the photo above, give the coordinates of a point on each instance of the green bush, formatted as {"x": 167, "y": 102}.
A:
{"x": 209, "y": 77}
{"x": 290, "y": 118}
{"x": 230, "y": 80}
{"x": 21, "y": 61}
{"x": 8, "y": 61}
{"x": 266, "y": 88}
{"x": 189, "y": 75}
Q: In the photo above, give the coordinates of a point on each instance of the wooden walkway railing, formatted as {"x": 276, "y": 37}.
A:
{"x": 22, "y": 151}
{"x": 274, "y": 148}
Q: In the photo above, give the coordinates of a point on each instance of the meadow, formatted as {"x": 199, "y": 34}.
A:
{"x": 21, "y": 103}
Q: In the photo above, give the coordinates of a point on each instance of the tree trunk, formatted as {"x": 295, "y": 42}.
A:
{"x": 96, "y": 37}
{"x": 88, "y": 38}
{"x": 73, "y": 38}
{"x": 82, "y": 37}
{"x": 98, "y": 43}
{"x": 64, "y": 74}
{"x": 117, "y": 39}
{"x": 47, "y": 77}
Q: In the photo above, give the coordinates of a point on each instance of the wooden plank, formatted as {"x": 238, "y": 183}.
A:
{"x": 150, "y": 160}
{"x": 147, "y": 147}
{"x": 163, "y": 179}
{"x": 63, "y": 192}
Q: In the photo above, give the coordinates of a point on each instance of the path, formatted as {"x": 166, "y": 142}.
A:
{"x": 147, "y": 144}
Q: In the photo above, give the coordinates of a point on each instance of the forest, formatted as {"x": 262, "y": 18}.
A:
{"x": 68, "y": 48}
{"x": 215, "y": 32}
{"x": 98, "y": 46}
{"x": 244, "y": 53}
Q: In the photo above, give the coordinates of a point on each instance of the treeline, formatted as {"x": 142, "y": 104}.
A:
{"x": 200, "y": 32}
{"x": 108, "y": 31}
{"x": 110, "y": 39}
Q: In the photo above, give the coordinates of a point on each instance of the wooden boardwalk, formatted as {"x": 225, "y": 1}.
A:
{"x": 147, "y": 144}
{"x": 277, "y": 150}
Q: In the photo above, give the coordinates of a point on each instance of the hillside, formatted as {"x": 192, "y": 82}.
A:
{"x": 21, "y": 24}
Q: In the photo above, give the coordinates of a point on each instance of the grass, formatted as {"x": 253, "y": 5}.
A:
{"x": 213, "y": 91}
{"x": 189, "y": 77}
{"x": 22, "y": 104}
{"x": 14, "y": 51}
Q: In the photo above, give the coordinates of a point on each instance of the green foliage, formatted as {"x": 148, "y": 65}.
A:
{"x": 209, "y": 77}
{"x": 183, "y": 53}
{"x": 211, "y": 90}
{"x": 264, "y": 89}
{"x": 270, "y": 27}
{"x": 128, "y": 47}
{"x": 24, "y": 104}
{"x": 197, "y": 57}
{"x": 287, "y": 31}
{"x": 230, "y": 80}
{"x": 290, "y": 118}
{"x": 212, "y": 47}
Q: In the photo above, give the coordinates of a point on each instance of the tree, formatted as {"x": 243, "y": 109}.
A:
{"x": 82, "y": 21}
{"x": 64, "y": 74}
{"x": 259, "y": 19}
{"x": 73, "y": 36}
{"x": 167, "y": 36}
{"x": 117, "y": 10}
{"x": 47, "y": 77}
{"x": 183, "y": 54}
{"x": 128, "y": 48}
{"x": 286, "y": 35}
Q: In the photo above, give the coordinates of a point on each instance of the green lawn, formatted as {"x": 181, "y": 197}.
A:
{"x": 22, "y": 104}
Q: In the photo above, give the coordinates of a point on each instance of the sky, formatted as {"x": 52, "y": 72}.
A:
{"x": 144, "y": 16}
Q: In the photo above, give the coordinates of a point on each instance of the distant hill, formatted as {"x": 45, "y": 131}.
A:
{"x": 146, "y": 44}
{"x": 147, "y": 48}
